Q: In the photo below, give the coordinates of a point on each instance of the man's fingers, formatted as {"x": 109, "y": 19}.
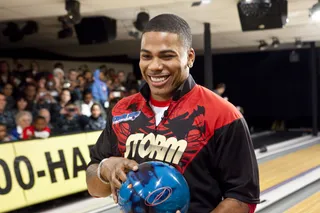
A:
{"x": 114, "y": 193}
{"x": 115, "y": 182}
{"x": 131, "y": 165}
{"x": 121, "y": 175}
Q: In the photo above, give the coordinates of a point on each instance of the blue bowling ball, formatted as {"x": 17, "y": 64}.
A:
{"x": 155, "y": 188}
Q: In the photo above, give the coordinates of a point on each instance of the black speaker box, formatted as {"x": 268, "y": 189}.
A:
{"x": 95, "y": 30}
{"x": 276, "y": 17}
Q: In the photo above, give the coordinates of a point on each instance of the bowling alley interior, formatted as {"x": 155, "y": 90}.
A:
{"x": 68, "y": 66}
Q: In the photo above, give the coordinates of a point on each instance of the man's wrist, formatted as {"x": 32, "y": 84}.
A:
{"x": 99, "y": 172}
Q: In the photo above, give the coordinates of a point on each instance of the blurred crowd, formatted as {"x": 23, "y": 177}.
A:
{"x": 39, "y": 104}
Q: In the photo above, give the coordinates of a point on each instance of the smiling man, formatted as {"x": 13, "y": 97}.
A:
{"x": 176, "y": 121}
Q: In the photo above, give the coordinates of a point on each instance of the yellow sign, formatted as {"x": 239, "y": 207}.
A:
{"x": 40, "y": 170}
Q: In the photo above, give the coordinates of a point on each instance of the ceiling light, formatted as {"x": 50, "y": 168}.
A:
{"x": 205, "y": 1}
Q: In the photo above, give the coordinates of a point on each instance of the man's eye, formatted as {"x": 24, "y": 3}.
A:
{"x": 168, "y": 56}
{"x": 145, "y": 56}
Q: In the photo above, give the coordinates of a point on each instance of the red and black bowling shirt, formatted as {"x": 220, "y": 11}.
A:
{"x": 202, "y": 135}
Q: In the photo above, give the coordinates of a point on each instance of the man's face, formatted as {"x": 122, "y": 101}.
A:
{"x": 164, "y": 62}
{"x": 73, "y": 75}
{"x": 87, "y": 98}
{"x": 46, "y": 115}
{"x": 31, "y": 91}
{"x": 3, "y": 102}
{"x": 122, "y": 77}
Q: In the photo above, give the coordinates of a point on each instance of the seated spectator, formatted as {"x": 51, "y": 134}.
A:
{"x": 30, "y": 93}
{"x": 79, "y": 90}
{"x": 88, "y": 76}
{"x": 72, "y": 121}
{"x": 65, "y": 97}
{"x": 86, "y": 104}
{"x": 41, "y": 88}
{"x": 23, "y": 120}
{"x": 72, "y": 78}
{"x": 99, "y": 88}
{"x": 51, "y": 87}
{"x": 8, "y": 92}
{"x": 39, "y": 129}
{"x": 21, "y": 105}
{"x": 58, "y": 78}
{"x": 46, "y": 114}
{"x": 4, "y": 137}
{"x": 6, "y": 116}
{"x": 122, "y": 77}
{"x": 96, "y": 120}
{"x": 5, "y": 74}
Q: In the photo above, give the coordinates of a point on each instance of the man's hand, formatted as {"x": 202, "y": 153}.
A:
{"x": 114, "y": 170}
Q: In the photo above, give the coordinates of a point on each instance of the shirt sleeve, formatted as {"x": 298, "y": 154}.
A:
{"x": 236, "y": 167}
{"x": 106, "y": 145}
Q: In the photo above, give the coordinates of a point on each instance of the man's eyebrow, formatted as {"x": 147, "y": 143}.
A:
{"x": 161, "y": 52}
{"x": 144, "y": 50}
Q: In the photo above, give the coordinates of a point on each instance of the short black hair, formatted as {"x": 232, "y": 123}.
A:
{"x": 39, "y": 117}
{"x": 172, "y": 24}
{"x": 86, "y": 92}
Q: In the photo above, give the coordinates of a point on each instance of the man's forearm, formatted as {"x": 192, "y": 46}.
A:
{"x": 95, "y": 187}
{"x": 230, "y": 205}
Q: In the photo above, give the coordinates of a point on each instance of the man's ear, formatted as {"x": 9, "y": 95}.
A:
{"x": 191, "y": 57}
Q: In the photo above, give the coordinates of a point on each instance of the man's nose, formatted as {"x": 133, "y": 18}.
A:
{"x": 156, "y": 64}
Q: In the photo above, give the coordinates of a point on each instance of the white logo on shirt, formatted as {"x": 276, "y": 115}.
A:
{"x": 156, "y": 147}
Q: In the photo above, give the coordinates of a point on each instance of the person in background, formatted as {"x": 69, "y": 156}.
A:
{"x": 41, "y": 88}
{"x": 72, "y": 121}
{"x": 72, "y": 83}
{"x": 86, "y": 104}
{"x": 96, "y": 120}
{"x": 80, "y": 88}
{"x": 51, "y": 87}
{"x": 8, "y": 92}
{"x": 5, "y": 74}
{"x": 122, "y": 77}
{"x": 100, "y": 90}
{"x": 23, "y": 120}
{"x": 220, "y": 89}
{"x": 39, "y": 129}
{"x": 88, "y": 76}
{"x": 6, "y": 116}
{"x": 58, "y": 78}
{"x": 21, "y": 105}
{"x": 46, "y": 114}
{"x": 65, "y": 98}
{"x": 4, "y": 137}
{"x": 30, "y": 93}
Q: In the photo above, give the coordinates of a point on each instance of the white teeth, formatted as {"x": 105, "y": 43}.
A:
{"x": 158, "y": 79}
